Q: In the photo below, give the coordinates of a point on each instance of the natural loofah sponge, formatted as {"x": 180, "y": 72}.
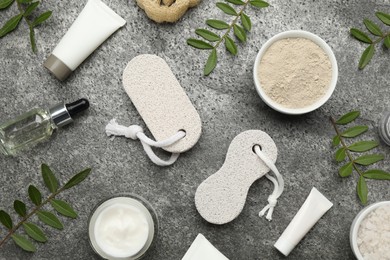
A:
{"x": 166, "y": 10}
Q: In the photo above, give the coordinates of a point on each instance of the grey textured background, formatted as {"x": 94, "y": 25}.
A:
{"x": 227, "y": 103}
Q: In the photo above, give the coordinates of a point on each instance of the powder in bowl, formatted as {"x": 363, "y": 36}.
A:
{"x": 295, "y": 72}
{"x": 373, "y": 237}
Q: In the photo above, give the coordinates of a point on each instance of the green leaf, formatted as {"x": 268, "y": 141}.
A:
{"x": 206, "y": 34}
{"x": 259, "y": 3}
{"x": 227, "y": 9}
{"x": 217, "y": 24}
{"x": 24, "y": 1}
{"x": 77, "y": 178}
{"x": 32, "y": 40}
{"x": 230, "y": 45}
{"x": 235, "y": 2}
{"x": 385, "y": 18}
{"x": 239, "y": 32}
{"x": 377, "y": 175}
{"x": 211, "y": 63}
{"x": 5, "y": 219}
{"x": 199, "y": 44}
{"x": 63, "y": 208}
{"x": 347, "y": 118}
{"x": 336, "y": 141}
{"x": 340, "y": 154}
{"x": 23, "y": 243}
{"x": 387, "y": 41}
{"x": 30, "y": 9}
{"x": 49, "y": 178}
{"x": 35, "y": 195}
{"x": 363, "y": 146}
{"x": 362, "y": 190}
{"x": 34, "y": 232}
{"x": 354, "y": 131}
{"x": 369, "y": 159}
{"x": 10, "y": 25}
{"x": 49, "y": 219}
{"x": 20, "y": 208}
{"x": 246, "y": 22}
{"x": 5, "y": 3}
{"x": 346, "y": 170}
{"x": 367, "y": 56}
{"x": 40, "y": 19}
{"x": 361, "y": 36}
{"x": 372, "y": 27}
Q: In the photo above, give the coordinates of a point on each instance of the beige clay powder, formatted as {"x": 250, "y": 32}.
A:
{"x": 295, "y": 72}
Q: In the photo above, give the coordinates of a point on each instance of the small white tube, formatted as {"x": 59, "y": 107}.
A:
{"x": 315, "y": 206}
{"x": 93, "y": 26}
{"x": 202, "y": 249}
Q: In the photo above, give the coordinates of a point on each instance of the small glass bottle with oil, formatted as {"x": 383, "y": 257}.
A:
{"x": 36, "y": 126}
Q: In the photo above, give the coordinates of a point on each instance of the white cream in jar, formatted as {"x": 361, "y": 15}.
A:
{"x": 122, "y": 228}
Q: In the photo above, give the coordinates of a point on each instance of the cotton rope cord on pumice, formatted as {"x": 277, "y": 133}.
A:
{"x": 278, "y": 184}
{"x": 136, "y": 132}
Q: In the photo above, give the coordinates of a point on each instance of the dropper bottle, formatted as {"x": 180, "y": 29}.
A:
{"x": 37, "y": 126}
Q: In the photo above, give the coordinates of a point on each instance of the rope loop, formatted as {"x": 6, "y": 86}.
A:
{"x": 278, "y": 184}
{"x": 136, "y": 132}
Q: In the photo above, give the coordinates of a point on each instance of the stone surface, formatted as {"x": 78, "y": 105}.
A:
{"x": 227, "y": 103}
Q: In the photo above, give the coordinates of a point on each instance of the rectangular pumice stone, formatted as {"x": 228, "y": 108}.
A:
{"x": 161, "y": 101}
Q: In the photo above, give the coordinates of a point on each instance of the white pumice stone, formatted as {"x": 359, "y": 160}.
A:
{"x": 221, "y": 197}
{"x": 161, "y": 101}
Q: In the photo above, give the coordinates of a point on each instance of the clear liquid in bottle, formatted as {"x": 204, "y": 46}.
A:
{"x": 36, "y": 126}
{"x": 26, "y": 130}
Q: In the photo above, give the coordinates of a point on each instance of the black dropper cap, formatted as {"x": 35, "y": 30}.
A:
{"x": 62, "y": 115}
{"x": 77, "y": 106}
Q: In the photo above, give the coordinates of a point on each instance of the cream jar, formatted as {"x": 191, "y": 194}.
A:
{"x": 371, "y": 221}
{"x": 122, "y": 227}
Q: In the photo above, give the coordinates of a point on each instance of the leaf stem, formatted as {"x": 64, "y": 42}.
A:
{"x": 345, "y": 146}
{"x": 13, "y": 230}
{"x": 232, "y": 24}
{"x": 21, "y": 11}
{"x": 381, "y": 38}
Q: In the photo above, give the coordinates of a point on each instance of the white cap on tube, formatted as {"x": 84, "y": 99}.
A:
{"x": 284, "y": 246}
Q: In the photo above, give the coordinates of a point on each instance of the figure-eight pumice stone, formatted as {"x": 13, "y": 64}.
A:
{"x": 221, "y": 197}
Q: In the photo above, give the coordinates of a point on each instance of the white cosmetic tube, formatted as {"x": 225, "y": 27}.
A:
{"x": 93, "y": 26}
{"x": 315, "y": 206}
{"x": 202, "y": 249}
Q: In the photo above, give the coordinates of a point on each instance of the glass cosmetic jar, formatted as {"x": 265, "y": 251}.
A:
{"x": 122, "y": 227}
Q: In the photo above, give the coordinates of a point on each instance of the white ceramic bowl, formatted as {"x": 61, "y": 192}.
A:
{"x": 356, "y": 224}
{"x": 319, "y": 42}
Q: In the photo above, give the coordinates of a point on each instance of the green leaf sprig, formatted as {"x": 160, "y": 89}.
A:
{"x": 347, "y": 150}
{"x": 32, "y": 230}
{"x": 213, "y": 40}
{"x": 377, "y": 32}
{"x": 26, "y": 9}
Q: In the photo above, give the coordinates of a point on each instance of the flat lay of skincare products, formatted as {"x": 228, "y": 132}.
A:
{"x": 153, "y": 105}
{"x": 37, "y": 126}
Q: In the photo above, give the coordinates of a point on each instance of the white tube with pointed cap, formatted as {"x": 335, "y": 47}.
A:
{"x": 315, "y": 206}
{"x": 93, "y": 26}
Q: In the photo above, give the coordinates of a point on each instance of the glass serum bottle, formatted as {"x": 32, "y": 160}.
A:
{"x": 36, "y": 126}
